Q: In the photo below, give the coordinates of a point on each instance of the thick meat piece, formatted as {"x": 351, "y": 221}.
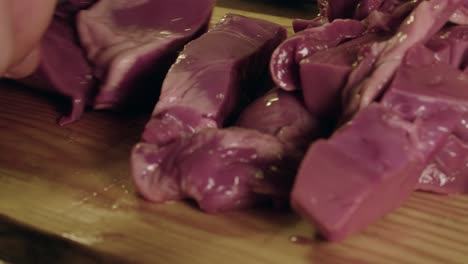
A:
{"x": 235, "y": 167}
{"x": 131, "y": 41}
{"x": 204, "y": 86}
{"x": 283, "y": 115}
{"x": 333, "y": 9}
{"x": 425, "y": 86}
{"x": 451, "y": 46}
{"x": 313, "y": 62}
{"x": 68, "y": 9}
{"x": 448, "y": 171}
{"x": 425, "y": 20}
{"x": 287, "y": 57}
{"x": 64, "y": 69}
{"x": 367, "y": 168}
{"x": 358, "y": 192}
{"x": 220, "y": 169}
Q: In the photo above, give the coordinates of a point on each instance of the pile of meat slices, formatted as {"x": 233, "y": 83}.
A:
{"x": 370, "y": 104}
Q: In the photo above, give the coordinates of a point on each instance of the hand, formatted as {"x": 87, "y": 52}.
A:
{"x": 22, "y": 24}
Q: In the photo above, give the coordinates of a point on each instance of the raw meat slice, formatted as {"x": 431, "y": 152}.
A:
{"x": 425, "y": 86}
{"x": 203, "y": 88}
{"x": 283, "y": 115}
{"x": 448, "y": 172}
{"x": 451, "y": 45}
{"x": 68, "y": 9}
{"x": 334, "y": 9}
{"x": 302, "y": 24}
{"x": 368, "y": 168}
{"x": 235, "y": 167}
{"x": 425, "y": 20}
{"x": 64, "y": 68}
{"x": 131, "y": 41}
{"x": 220, "y": 169}
{"x": 287, "y": 57}
{"x": 324, "y": 74}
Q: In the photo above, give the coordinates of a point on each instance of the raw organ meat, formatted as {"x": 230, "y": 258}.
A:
{"x": 131, "y": 41}
{"x": 203, "y": 88}
{"x": 235, "y": 167}
{"x": 64, "y": 69}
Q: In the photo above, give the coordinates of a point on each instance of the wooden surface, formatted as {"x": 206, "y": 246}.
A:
{"x": 66, "y": 197}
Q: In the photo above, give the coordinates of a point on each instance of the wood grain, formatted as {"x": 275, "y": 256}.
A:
{"x": 66, "y": 197}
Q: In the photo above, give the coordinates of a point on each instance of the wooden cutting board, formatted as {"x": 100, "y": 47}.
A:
{"x": 66, "y": 197}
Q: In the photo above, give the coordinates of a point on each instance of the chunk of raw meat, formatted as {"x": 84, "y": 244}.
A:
{"x": 287, "y": 57}
{"x": 314, "y": 62}
{"x": 283, "y": 115}
{"x": 130, "y": 42}
{"x": 68, "y": 9}
{"x": 220, "y": 169}
{"x": 425, "y": 20}
{"x": 235, "y": 167}
{"x": 424, "y": 86}
{"x": 204, "y": 87}
{"x": 64, "y": 69}
{"x": 367, "y": 168}
{"x": 448, "y": 172}
{"x": 333, "y": 9}
{"x": 451, "y": 45}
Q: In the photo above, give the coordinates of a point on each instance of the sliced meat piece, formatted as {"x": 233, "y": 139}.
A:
{"x": 133, "y": 43}
{"x": 283, "y": 115}
{"x": 451, "y": 45}
{"x": 389, "y": 19}
{"x": 425, "y": 86}
{"x": 287, "y": 57}
{"x": 366, "y": 7}
{"x": 367, "y": 169}
{"x": 324, "y": 74}
{"x": 448, "y": 172}
{"x": 220, "y": 169}
{"x": 204, "y": 87}
{"x": 334, "y": 9}
{"x": 425, "y": 20}
{"x": 235, "y": 167}
{"x": 64, "y": 69}
{"x": 460, "y": 17}
{"x": 302, "y": 24}
{"x": 68, "y": 9}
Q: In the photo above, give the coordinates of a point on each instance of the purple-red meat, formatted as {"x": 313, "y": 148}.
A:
{"x": 382, "y": 152}
{"x": 451, "y": 46}
{"x": 315, "y": 62}
{"x": 235, "y": 167}
{"x": 383, "y": 58}
{"x": 131, "y": 41}
{"x": 365, "y": 170}
{"x": 428, "y": 85}
{"x": 203, "y": 88}
{"x": 448, "y": 171}
{"x": 64, "y": 69}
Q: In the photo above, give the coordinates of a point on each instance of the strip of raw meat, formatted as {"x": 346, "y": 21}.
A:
{"x": 287, "y": 57}
{"x": 133, "y": 43}
{"x": 64, "y": 69}
{"x": 371, "y": 167}
{"x": 448, "y": 172}
{"x": 426, "y": 85}
{"x": 425, "y": 20}
{"x": 204, "y": 87}
{"x": 235, "y": 167}
{"x": 451, "y": 46}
